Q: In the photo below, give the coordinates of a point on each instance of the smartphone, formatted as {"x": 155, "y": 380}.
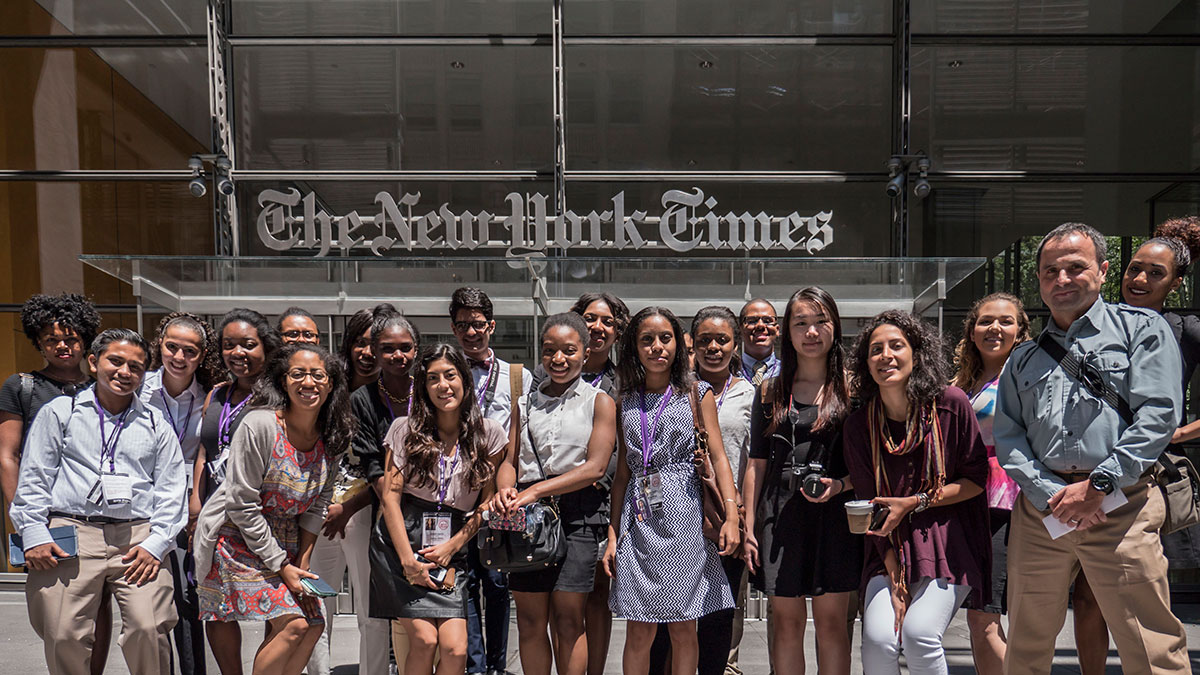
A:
{"x": 437, "y": 574}
{"x": 880, "y": 515}
{"x": 318, "y": 587}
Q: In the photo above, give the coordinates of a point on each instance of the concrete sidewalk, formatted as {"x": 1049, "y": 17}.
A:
{"x": 22, "y": 650}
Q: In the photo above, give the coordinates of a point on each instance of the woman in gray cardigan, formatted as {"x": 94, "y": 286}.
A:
{"x": 255, "y": 535}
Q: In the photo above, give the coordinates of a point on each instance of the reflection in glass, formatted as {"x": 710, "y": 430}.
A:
{"x": 102, "y": 17}
{"x": 1166, "y": 17}
{"x": 721, "y": 17}
{"x": 785, "y": 108}
{"x": 434, "y": 108}
{"x": 390, "y": 17}
{"x": 1096, "y": 109}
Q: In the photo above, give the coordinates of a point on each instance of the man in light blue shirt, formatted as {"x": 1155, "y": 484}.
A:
{"x": 760, "y": 330}
{"x": 110, "y": 467}
{"x": 1064, "y": 441}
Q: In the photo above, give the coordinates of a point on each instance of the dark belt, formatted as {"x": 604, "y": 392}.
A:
{"x": 1073, "y": 476}
{"x": 98, "y": 520}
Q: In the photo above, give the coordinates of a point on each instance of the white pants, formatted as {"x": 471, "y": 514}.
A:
{"x": 329, "y": 561}
{"x": 931, "y": 607}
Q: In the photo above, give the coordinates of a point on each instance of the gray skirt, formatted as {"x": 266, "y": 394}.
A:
{"x": 392, "y": 597}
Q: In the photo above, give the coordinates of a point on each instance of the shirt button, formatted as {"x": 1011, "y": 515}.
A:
{"x": 1070, "y": 433}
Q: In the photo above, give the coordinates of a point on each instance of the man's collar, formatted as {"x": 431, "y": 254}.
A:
{"x": 1094, "y": 316}
{"x": 89, "y": 396}
{"x": 485, "y": 364}
{"x": 751, "y": 362}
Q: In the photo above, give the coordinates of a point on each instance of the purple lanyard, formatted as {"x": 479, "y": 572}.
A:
{"x": 179, "y": 433}
{"x": 226, "y": 420}
{"x": 650, "y": 431}
{"x": 387, "y": 400}
{"x": 724, "y": 390}
{"x": 599, "y": 377}
{"x": 443, "y": 478}
{"x": 108, "y": 445}
{"x": 486, "y": 382}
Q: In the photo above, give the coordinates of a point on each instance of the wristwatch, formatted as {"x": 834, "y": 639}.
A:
{"x": 1102, "y": 482}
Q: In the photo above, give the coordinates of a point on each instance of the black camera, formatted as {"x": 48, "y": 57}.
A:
{"x": 809, "y": 465}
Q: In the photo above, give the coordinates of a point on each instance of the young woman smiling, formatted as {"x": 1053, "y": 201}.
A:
{"x": 441, "y": 465}
{"x": 994, "y": 325}
{"x": 255, "y": 536}
{"x": 914, "y": 448}
{"x": 801, "y": 546}
{"x": 247, "y": 342}
{"x": 564, "y": 448}
{"x": 606, "y": 317}
{"x": 663, "y": 569}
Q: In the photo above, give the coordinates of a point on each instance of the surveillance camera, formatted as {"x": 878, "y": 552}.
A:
{"x": 922, "y": 189}
{"x": 895, "y": 186}
{"x": 225, "y": 186}
{"x": 197, "y": 187}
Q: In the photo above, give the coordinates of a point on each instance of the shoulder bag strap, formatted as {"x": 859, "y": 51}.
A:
{"x": 1092, "y": 379}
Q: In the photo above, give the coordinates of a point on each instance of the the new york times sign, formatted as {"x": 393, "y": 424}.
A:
{"x": 287, "y": 221}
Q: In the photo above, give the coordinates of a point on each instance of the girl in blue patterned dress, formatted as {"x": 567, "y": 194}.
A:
{"x": 663, "y": 569}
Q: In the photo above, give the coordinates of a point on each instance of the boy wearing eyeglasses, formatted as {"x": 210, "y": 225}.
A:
{"x": 760, "y": 330}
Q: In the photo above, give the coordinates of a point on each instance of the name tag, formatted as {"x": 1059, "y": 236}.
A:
{"x": 117, "y": 488}
{"x": 435, "y": 528}
{"x": 651, "y": 494}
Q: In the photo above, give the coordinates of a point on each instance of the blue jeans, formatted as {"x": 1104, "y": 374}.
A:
{"x": 487, "y": 640}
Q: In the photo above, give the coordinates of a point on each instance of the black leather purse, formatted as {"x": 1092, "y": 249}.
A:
{"x": 542, "y": 545}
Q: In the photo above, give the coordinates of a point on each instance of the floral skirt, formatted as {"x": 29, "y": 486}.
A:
{"x": 239, "y": 588}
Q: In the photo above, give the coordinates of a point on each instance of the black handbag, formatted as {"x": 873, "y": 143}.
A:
{"x": 542, "y": 545}
{"x": 1173, "y": 472}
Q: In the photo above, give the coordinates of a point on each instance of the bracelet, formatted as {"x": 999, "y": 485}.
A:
{"x": 922, "y": 502}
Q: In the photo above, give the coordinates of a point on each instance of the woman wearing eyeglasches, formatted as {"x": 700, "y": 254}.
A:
{"x": 914, "y": 448}
{"x": 994, "y": 325}
{"x": 254, "y": 538}
{"x": 441, "y": 465}
{"x": 61, "y": 328}
{"x": 563, "y": 449}
{"x": 663, "y": 568}
{"x": 798, "y": 541}
{"x": 346, "y": 533}
{"x": 296, "y": 324}
{"x": 1156, "y": 270}
{"x": 247, "y": 342}
{"x": 183, "y": 358}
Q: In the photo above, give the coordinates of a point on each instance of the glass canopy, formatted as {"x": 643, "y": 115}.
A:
{"x": 529, "y": 287}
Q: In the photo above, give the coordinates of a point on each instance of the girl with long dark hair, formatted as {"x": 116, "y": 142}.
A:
{"x": 914, "y": 449}
{"x": 798, "y": 542}
{"x": 255, "y": 536}
{"x": 569, "y": 428}
{"x": 663, "y": 569}
{"x": 440, "y": 468}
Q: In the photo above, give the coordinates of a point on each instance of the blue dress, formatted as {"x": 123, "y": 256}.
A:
{"x": 666, "y": 569}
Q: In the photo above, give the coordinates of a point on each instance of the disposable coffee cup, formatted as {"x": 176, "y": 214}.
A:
{"x": 858, "y": 513}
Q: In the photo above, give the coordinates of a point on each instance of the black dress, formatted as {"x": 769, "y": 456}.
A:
{"x": 804, "y": 549}
{"x": 1182, "y": 548}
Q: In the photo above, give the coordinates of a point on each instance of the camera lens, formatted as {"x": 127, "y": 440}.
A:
{"x": 813, "y": 487}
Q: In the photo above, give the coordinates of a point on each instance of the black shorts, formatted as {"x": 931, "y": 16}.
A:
{"x": 576, "y": 573}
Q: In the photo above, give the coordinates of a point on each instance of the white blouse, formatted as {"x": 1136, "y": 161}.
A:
{"x": 560, "y": 425}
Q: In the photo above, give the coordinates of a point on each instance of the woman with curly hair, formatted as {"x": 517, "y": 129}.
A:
{"x": 441, "y": 464}
{"x": 255, "y": 536}
{"x": 914, "y": 449}
{"x": 183, "y": 358}
{"x": 994, "y": 325}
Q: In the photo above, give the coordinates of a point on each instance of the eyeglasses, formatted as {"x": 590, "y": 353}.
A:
{"x": 318, "y": 376}
{"x": 297, "y": 334}
{"x": 755, "y": 320}
{"x": 464, "y": 326}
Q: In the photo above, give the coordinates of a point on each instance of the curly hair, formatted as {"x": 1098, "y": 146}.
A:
{"x": 718, "y": 313}
{"x": 617, "y": 306}
{"x": 421, "y": 443}
{"x": 68, "y": 310}
{"x": 267, "y": 335}
{"x": 968, "y": 362}
{"x": 1182, "y": 237}
{"x": 472, "y": 299}
{"x": 930, "y": 372}
{"x": 335, "y": 421}
{"x": 210, "y": 369}
{"x": 835, "y": 398}
{"x": 631, "y": 373}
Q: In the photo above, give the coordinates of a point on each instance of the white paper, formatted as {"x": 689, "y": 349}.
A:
{"x": 1058, "y": 528}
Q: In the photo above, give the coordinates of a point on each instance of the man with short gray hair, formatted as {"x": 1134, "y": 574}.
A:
{"x": 1082, "y": 416}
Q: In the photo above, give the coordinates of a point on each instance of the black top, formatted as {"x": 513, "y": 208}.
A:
{"x": 1187, "y": 332}
{"x": 209, "y": 430}
{"x": 41, "y": 390}
{"x": 374, "y": 420}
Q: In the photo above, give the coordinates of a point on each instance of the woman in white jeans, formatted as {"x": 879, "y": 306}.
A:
{"x": 914, "y": 449}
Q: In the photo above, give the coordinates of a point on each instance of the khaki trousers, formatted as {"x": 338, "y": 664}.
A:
{"x": 1124, "y": 563}
{"x": 64, "y": 602}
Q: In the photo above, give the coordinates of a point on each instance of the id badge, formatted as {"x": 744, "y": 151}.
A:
{"x": 652, "y": 494}
{"x": 117, "y": 488}
{"x": 435, "y": 528}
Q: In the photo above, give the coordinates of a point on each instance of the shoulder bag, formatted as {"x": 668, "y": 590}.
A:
{"x": 714, "y": 503}
{"x": 541, "y": 545}
{"x": 1173, "y": 472}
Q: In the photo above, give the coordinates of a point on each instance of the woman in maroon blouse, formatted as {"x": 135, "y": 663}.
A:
{"x": 914, "y": 448}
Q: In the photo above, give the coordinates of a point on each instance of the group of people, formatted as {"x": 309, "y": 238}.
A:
{"x": 252, "y": 463}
